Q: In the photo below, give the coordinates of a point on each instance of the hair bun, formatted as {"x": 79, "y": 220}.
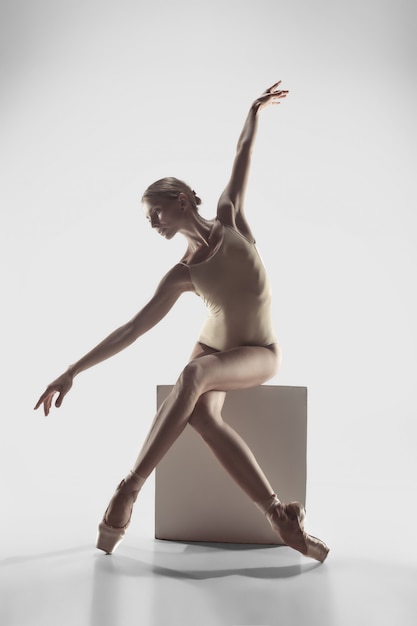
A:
{"x": 171, "y": 187}
{"x": 197, "y": 199}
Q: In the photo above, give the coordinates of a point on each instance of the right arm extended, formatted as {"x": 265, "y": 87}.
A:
{"x": 167, "y": 293}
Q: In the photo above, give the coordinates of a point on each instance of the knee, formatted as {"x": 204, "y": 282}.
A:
{"x": 191, "y": 379}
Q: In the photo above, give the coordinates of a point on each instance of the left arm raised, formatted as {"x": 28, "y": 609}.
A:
{"x": 230, "y": 207}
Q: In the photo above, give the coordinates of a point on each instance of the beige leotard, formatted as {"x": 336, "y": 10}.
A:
{"x": 234, "y": 285}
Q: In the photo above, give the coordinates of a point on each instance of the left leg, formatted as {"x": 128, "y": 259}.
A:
{"x": 220, "y": 371}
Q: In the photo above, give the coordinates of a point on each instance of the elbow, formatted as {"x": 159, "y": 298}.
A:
{"x": 244, "y": 149}
{"x": 245, "y": 145}
{"x": 128, "y": 334}
{"x": 132, "y": 332}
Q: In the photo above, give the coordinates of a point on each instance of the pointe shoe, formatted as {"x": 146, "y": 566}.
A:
{"x": 288, "y": 521}
{"x": 109, "y": 536}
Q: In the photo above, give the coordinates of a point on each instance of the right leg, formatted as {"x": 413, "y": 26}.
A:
{"x": 238, "y": 460}
{"x": 228, "y": 446}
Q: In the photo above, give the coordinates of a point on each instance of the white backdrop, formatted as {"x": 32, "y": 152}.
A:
{"x": 100, "y": 98}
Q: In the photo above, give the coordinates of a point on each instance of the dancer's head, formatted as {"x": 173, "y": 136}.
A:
{"x": 169, "y": 188}
{"x": 168, "y": 204}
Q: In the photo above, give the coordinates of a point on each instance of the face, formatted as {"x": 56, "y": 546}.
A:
{"x": 165, "y": 215}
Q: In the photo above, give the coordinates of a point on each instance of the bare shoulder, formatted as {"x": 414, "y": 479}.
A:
{"x": 226, "y": 212}
{"x": 227, "y": 215}
{"x": 176, "y": 280}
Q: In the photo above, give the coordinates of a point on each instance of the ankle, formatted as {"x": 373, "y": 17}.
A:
{"x": 119, "y": 511}
{"x": 134, "y": 481}
{"x": 267, "y": 505}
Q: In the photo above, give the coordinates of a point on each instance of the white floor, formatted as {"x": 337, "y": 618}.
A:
{"x": 54, "y": 576}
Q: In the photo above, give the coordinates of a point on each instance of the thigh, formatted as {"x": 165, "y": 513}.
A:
{"x": 237, "y": 368}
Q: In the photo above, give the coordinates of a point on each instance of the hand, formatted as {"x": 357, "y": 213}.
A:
{"x": 272, "y": 95}
{"x": 61, "y": 385}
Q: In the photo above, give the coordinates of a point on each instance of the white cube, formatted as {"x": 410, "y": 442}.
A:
{"x": 195, "y": 498}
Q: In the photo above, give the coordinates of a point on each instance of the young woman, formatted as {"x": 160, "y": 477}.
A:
{"x": 237, "y": 346}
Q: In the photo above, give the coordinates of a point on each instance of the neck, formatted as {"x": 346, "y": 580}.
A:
{"x": 197, "y": 231}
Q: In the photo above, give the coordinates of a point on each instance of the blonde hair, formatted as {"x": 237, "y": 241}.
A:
{"x": 171, "y": 187}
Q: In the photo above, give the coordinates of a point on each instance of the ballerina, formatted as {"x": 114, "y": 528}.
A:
{"x": 237, "y": 347}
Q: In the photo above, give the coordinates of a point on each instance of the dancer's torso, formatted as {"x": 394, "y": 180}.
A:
{"x": 234, "y": 285}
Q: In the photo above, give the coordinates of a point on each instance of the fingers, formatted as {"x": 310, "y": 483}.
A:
{"x": 59, "y": 399}
{"x": 47, "y": 405}
{"x": 41, "y": 400}
{"x": 279, "y": 95}
{"x": 46, "y": 399}
{"x": 274, "y": 87}
{"x": 37, "y": 405}
{"x": 274, "y": 90}
{"x": 271, "y": 98}
{"x": 272, "y": 95}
